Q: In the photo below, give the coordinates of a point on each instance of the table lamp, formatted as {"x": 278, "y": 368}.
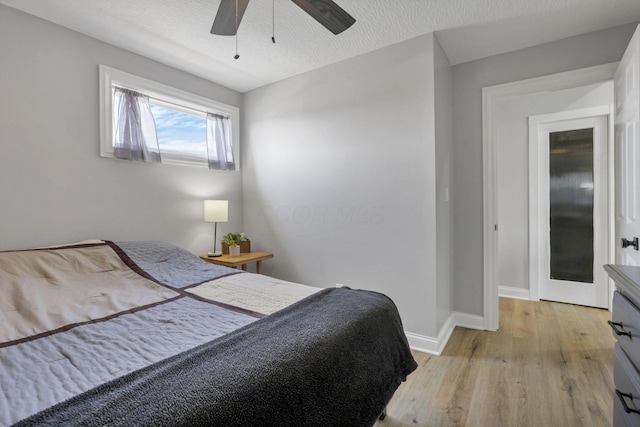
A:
{"x": 216, "y": 211}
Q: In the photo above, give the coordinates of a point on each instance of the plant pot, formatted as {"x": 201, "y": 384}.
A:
{"x": 245, "y": 247}
{"x": 234, "y": 250}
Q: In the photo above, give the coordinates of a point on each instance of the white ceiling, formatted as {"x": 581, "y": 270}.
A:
{"x": 176, "y": 32}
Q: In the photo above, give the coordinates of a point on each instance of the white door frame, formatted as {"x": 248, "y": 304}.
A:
{"x": 535, "y": 239}
{"x": 491, "y": 96}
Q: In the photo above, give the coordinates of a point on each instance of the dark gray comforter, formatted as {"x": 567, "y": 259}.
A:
{"x": 333, "y": 359}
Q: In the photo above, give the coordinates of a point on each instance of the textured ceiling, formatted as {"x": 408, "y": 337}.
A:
{"x": 176, "y": 32}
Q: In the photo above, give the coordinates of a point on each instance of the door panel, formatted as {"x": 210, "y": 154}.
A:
{"x": 627, "y": 92}
{"x": 572, "y": 210}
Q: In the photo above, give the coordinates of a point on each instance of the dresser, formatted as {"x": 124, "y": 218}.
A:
{"x": 625, "y": 324}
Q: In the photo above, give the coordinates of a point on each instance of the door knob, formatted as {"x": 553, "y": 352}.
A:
{"x": 626, "y": 243}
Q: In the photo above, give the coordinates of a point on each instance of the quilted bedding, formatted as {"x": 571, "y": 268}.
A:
{"x": 148, "y": 304}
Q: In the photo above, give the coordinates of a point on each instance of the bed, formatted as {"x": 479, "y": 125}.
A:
{"x": 146, "y": 333}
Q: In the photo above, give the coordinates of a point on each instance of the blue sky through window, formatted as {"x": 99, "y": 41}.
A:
{"x": 180, "y": 132}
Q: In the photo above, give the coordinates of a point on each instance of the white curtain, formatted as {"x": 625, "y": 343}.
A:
{"x": 219, "y": 145}
{"x": 135, "y": 128}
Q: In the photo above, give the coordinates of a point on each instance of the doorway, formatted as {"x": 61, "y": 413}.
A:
{"x": 493, "y": 97}
{"x": 568, "y": 203}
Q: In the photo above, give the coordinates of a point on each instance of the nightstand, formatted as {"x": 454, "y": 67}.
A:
{"x": 242, "y": 260}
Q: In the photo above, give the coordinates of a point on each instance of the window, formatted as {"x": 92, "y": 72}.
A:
{"x": 189, "y": 128}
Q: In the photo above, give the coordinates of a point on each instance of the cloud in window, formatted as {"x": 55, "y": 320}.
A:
{"x": 180, "y": 132}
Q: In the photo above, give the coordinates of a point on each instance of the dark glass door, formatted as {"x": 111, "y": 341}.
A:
{"x": 571, "y": 205}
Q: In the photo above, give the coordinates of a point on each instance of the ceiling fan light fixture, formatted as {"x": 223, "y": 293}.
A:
{"x": 326, "y": 12}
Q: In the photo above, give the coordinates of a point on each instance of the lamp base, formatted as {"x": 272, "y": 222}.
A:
{"x": 214, "y": 254}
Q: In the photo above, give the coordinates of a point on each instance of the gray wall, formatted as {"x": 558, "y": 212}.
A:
{"x": 444, "y": 140}
{"x": 340, "y": 177}
{"x": 54, "y": 187}
{"x": 583, "y": 51}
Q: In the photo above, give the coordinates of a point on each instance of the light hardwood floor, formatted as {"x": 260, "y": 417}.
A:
{"x": 550, "y": 364}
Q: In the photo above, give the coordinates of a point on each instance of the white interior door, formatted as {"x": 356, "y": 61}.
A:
{"x": 570, "y": 225}
{"x": 627, "y": 141}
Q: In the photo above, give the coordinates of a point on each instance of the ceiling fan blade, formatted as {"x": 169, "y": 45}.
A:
{"x": 327, "y": 13}
{"x": 225, "y": 22}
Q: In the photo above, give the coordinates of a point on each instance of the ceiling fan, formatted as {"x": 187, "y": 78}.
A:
{"x": 326, "y": 12}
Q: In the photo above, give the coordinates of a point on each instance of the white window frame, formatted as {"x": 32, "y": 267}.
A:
{"x": 110, "y": 77}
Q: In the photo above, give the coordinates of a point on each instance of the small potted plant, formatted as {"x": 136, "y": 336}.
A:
{"x": 233, "y": 240}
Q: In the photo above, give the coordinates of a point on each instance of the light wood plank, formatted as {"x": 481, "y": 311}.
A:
{"x": 549, "y": 364}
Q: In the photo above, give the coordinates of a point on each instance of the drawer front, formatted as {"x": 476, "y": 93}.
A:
{"x": 620, "y": 417}
{"x": 626, "y": 321}
{"x": 626, "y": 400}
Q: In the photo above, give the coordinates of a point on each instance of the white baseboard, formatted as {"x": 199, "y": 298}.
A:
{"x": 471, "y": 321}
{"x": 423, "y": 343}
{"x": 517, "y": 293}
{"x": 435, "y": 346}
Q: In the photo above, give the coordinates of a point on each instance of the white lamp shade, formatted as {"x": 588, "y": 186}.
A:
{"x": 216, "y": 210}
